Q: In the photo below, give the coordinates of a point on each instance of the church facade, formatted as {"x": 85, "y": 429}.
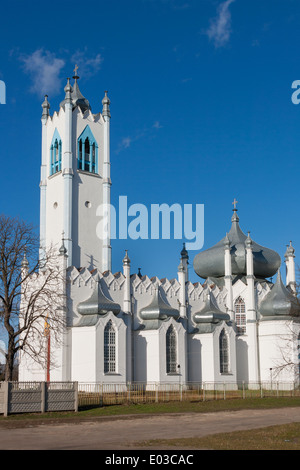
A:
{"x": 232, "y": 326}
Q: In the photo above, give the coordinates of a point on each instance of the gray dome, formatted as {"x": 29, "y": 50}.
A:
{"x": 210, "y": 263}
{"x": 279, "y": 301}
{"x": 158, "y": 309}
{"x": 210, "y": 313}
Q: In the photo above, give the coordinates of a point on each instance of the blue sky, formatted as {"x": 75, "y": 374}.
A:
{"x": 201, "y": 109}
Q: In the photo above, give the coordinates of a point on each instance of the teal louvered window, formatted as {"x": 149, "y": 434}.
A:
{"x": 87, "y": 152}
{"x": 55, "y": 153}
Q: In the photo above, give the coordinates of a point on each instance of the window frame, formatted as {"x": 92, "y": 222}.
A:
{"x": 171, "y": 350}
{"x": 110, "y": 348}
{"x": 224, "y": 353}
{"x": 240, "y": 316}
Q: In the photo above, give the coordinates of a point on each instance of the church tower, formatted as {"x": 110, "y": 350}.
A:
{"x": 75, "y": 179}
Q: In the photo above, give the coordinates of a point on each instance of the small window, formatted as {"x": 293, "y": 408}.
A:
{"x": 224, "y": 352}
{"x": 240, "y": 316}
{"x": 109, "y": 348}
{"x": 171, "y": 350}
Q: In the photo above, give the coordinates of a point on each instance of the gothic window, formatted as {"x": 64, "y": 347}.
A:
{"x": 171, "y": 350}
{"x": 55, "y": 154}
{"x": 240, "y": 316}
{"x": 224, "y": 352}
{"x": 109, "y": 348}
{"x": 87, "y": 152}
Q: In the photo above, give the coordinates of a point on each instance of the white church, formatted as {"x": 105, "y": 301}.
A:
{"x": 232, "y": 326}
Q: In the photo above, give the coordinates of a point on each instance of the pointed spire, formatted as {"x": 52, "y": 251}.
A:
{"x": 106, "y": 103}
{"x": 46, "y": 107}
{"x": 140, "y": 274}
{"x": 74, "y": 95}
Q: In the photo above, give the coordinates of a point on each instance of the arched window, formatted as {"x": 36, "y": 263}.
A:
{"x": 109, "y": 348}
{"x": 55, "y": 154}
{"x": 87, "y": 158}
{"x": 240, "y": 316}
{"x": 224, "y": 352}
{"x": 171, "y": 350}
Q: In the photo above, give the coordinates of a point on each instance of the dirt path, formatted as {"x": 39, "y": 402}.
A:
{"x": 120, "y": 433}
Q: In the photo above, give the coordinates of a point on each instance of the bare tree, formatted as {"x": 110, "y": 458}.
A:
{"x": 31, "y": 293}
{"x": 289, "y": 361}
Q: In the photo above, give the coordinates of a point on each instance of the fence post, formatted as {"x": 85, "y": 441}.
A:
{"x": 243, "y": 388}
{"x": 101, "y": 394}
{"x": 6, "y": 398}
{"x": 75, "y": 396}
{"x": 203, "y": 391}
{"x": 156, "y": 393}
{"x": 43, "y": 397}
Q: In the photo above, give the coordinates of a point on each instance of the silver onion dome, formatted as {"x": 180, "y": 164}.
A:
{"x": 210, "y": 263}
{"x": 279, "y": 301}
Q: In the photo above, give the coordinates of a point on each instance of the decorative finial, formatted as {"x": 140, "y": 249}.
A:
{"x": 25, "y": 263}
{"x": 227, "y": 241}
{"x": 290, "y": 250}
{"x": 126, "y": 259}
{"x": 68, "y": 90}
{"x": 140, "y": 274}
{"x": 184, "y": 253}
{"x": 63, "y": 250}
{"x": 248, "y": 241}
{"x": 106, "y": 103}
{"x": 46, "y": 107}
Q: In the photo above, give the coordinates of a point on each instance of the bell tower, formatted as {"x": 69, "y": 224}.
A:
{"x": 75, "y": 179}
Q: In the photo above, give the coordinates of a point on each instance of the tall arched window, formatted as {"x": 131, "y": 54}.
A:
{"x": 224, "y": 352}
{"x": 87, "y": 158}
{"x": 171, "y": 350}
{"x": 55, "y": 153}
{"x": 109, "y": 348}
{"x": 240, "y": 316}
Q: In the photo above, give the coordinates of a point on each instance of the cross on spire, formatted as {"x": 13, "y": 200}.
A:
{"x": 75, "y": 71}
{"x": 235, "y": 203}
